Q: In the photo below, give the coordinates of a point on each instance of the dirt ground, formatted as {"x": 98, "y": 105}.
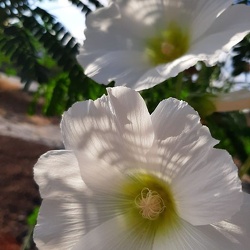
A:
{"x": 18, "y": 192}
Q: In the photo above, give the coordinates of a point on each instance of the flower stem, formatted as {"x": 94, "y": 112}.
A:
{"x": 28, "y": 239}
{"x": 178, "y": 87}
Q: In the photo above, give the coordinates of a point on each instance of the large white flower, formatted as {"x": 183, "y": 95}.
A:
{"x": 129, "y": 180}
{"x": 140, "y": 43}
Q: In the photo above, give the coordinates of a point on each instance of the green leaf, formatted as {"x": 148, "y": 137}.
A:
{"x": 32, "y": 218}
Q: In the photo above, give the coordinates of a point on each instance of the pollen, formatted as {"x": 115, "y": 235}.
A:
{"x": 150, "y": 204}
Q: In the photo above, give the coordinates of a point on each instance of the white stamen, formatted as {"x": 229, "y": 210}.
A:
{"x": 150, "y": 203}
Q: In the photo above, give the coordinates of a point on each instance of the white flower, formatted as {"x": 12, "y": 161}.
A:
{"x": 140, "y": 43}
{"x": 129, "y": 180}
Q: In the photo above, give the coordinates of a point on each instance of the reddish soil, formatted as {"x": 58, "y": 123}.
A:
{"x": 18, "y": 191}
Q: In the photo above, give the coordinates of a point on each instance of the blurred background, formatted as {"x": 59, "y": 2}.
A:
{"x": 40, "y": 78}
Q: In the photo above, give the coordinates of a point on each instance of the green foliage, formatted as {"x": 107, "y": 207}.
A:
{"x": 31, "y": 221}
{"x": 19, "y": 45}
{"x": 196, "y": 92}
{"x": 243, "y": 2}
{"x": 40, "y": 49}
{"x": 232, "y": 131}
{"x": 32, "y": 218}
{"x": 241, "y": 57}
{"x": 6, "y": 64}
{"x": 83, "y": 7}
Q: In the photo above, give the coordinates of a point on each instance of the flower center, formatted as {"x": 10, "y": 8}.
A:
{"x": 168, "y": 45}
{"x": 150, "y": 204}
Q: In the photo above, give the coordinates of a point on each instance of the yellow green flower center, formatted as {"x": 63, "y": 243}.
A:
{"x": 168, "y": 44}
{"x": 148, "y": 203}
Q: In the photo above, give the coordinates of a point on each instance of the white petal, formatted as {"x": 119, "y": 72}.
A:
{"x": 184, "y": 237}
{"x": 123, "y": 67}
{"x": 207, "y": 189}
{"x": 69, "y": 210}
{"x": 63, "y": 222}
{"x": 60, "y": 220}
{"x": 162, "y": 72}
{"x": 97, "y": 24}
{"x": 148, "y": 80}
{"x": 204, "y": 14}
{"x": 107, "y": 32}
{"x": 180, "y": 139}
{"x": 233, "y": 233}
{"x": 114, "y": 26}
{"x": 156, "y": 13}
{"x": 224, "y": 33}
{"x": 112, "y": 45}
{"x": 113, "y": 132}
{"x": 203, "y": 179}
{"x": 237, "y": 228}
{"x": 57, "y": 173}
{"x": 115, "y": 234}
{"x": 132, "y": 114}
{"x": 227, "y": 235}
{"x": 173, "y": 117}
{"x": 178, "y": 156}
{"x": 60, "y": 224}
{"x": 223, "y": 236}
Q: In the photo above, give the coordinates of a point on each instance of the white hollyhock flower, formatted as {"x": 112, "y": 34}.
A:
{"x": 140, "y": 43}
{"x": 129, "y": 180}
